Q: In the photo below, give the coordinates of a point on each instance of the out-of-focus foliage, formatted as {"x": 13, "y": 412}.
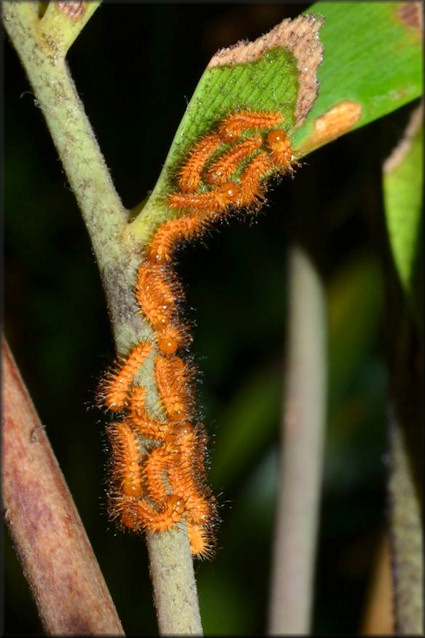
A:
{"x": 403, "y": 191}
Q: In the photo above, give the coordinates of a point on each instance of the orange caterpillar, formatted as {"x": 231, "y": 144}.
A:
{"x": 251, "y": 183}
{"x": 216, "y": 200}
{"x": 172, "y": 378}
{"x": 158, "y": 467}
{"x": 155, "y": 468}
{"x": 141, "y": 422}
{"x": 156, "y": 293}
{"x": 185, "y": 479}
{"x": 228, "y": 163}
{"x": 171, "y": 233}
{"x": 232, "y": 127}
{"x": 190, "y": 172}
{"x": 125, "y": 466}
{"x": 114, "y": 388}
{"x": 201, "y": 540}
{"x": 159, "y": 520}
{"x": 282, "y": 154}
{"x": 139, "y": 515}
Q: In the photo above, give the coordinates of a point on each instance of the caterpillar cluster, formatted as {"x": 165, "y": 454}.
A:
{"x": 157, "y": 468}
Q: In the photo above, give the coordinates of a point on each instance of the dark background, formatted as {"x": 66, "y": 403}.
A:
{"x": 135, "y": 67}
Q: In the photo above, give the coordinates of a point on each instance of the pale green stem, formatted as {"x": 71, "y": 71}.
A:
{"x": 85, "y": 167}
{"x": 60, "y": 30}
{"x": 301, "y": 455}
{"x": 176, "y": 597}
{"x": 118, "y": 255}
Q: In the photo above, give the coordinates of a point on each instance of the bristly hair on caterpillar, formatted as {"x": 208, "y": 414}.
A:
{"x": 190, "y": 172}
{"x": 113, "y": 389}
{"x": 224, "y": 167}
{"x": 173, "y": 376}
{"x": 172, "y": 233}
{"x": 125, "y": 470}
{"x": 158, "y": 467}
{"x": 232, "y": 127}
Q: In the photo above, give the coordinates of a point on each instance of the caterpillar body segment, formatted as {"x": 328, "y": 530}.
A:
{"x": 190, "y": 173}
{"x": 222, "y": 170}
{"x": 232, "y": 127}
{"x": 114, "y": 388}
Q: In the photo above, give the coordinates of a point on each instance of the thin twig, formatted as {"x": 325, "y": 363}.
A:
{"x": 301, "y": 452}
{"x": 49, "y": 538}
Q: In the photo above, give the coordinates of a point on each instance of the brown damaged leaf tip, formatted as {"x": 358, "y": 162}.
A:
{"x": 301, "y": 38}
{"x": 411, "y": 14}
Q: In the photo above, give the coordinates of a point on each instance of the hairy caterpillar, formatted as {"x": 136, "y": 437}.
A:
{"x": 141, "y": 422}
{"x": 190, "y": 172}
{"x": 235, "y": 124}
{"x": 201, "y": 540}
{"x": 114, "y": 388}
{"x": 173, "y": 232}
{"x": 156, "y": 293}
{"x": 158, "y": 466}
{"x": 228, "y": 163}
{"x": 155, "y": 469}
{"x": 282, "y": 153}
{"x": 173, "y": 380}
{"x": 216, "y": 200}
{"x": 126, "y": 472}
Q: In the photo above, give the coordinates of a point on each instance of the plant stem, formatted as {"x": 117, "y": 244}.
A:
{"x": 171, "y": 567}
{"x": 56, "y": 556}
{"x": 406, "y": 536}
{"x": 117, "y": 253}
{"x": 301, "y": 451}
{"x": 87, "y": 173}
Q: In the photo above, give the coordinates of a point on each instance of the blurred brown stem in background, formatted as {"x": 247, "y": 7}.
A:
{"x": 47, "y": 533}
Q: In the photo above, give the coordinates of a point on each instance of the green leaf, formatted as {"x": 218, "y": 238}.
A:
{"x": 373, "y": 58}
{"x": 246, "y": 426}
{"x": 403, "y": 182}
{"x": 261, "y": 76}
{"x": 356, "y": 302}
{"x": 372, "y": 65}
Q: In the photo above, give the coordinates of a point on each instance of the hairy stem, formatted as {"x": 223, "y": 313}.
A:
{"x": 301, "y": 451}
{"x": 177, "y": 607}
{"x": 52, "y": 546}
{"x": 70, "y": 129}
{"x": 41, "y": 45}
